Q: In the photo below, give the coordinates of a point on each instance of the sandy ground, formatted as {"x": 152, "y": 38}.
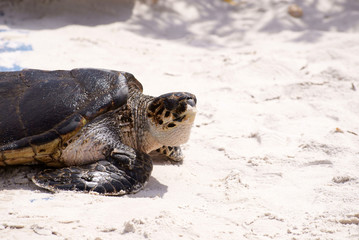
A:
{"x": 274, "y": 153}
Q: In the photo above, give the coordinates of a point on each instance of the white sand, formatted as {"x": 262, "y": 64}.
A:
{"x": 274, "y": 153}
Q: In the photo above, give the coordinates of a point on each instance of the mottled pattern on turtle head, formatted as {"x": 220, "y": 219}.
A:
{"x": 171, "y": 116}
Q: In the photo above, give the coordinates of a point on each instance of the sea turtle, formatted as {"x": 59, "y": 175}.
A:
{"x": 94, "y": 128}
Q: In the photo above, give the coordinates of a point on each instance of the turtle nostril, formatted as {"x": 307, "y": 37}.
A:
{"x": 191, "y": 102}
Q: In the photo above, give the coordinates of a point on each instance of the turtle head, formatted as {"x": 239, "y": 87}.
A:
{"x": 171, "y": 116}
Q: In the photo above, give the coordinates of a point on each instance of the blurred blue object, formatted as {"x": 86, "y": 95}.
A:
{"x": 6, "y": 47}
{"x": 18, "y": 47}
{"x": 14, "y": 67}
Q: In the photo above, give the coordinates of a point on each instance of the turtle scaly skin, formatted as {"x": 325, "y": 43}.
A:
{"x": 96, "y": 126}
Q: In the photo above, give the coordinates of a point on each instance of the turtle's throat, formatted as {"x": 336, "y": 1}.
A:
{"x": 144, "y": 140}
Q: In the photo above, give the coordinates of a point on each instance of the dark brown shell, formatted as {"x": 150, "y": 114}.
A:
{"x": 42, "y": 109}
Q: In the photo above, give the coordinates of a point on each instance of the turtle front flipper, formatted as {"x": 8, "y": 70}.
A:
{"x": 172, "y": 153}
{"x": 122, "y": 173}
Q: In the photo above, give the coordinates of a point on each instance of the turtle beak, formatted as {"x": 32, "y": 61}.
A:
{"x": 192, "y": 102}
{"x": 191, "y": 107}
{"x": 190, "y": 99}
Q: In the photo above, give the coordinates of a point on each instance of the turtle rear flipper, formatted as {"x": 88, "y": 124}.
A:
{"x": 119, "y": 175}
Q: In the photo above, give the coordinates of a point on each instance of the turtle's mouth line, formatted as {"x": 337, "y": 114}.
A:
{"x": 192, "y": 110}
{"x": 189, "y": 114}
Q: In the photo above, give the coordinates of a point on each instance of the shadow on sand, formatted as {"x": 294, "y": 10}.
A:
{"x": 203, "y": 20}
{"x": 339, "y": 16}
{"x": 51, "y": 14}
{"x": 19, "y": 177}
